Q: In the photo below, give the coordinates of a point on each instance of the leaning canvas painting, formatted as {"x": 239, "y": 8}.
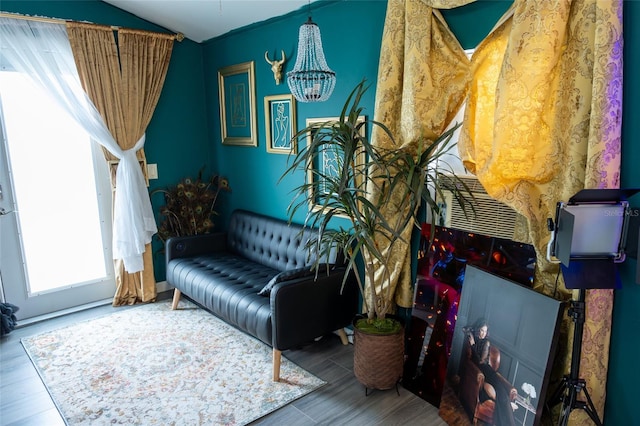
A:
{"x": 442, "y": 261}
{"x": 503, "y": 344}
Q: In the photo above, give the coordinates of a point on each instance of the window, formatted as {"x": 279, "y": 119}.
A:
{"x": 61, "y": 213}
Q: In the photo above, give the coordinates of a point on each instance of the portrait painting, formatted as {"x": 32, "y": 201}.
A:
{"x": 504, "y": 342}
{"x": 443, "y": 256}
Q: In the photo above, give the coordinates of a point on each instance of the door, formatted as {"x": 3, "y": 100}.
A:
{"x": 55, "y": 203}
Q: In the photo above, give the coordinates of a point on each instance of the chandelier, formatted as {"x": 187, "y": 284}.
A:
{"x": 311, "y": 79}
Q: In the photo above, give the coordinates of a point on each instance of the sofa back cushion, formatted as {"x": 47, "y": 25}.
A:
{"x": 269, "y": 241}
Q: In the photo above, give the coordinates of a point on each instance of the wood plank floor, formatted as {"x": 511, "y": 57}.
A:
{"x": 25, "y": 401}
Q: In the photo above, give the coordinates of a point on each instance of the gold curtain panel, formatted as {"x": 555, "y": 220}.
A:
{"x": 124, "y": 81}
{"x": 422, "y": 81}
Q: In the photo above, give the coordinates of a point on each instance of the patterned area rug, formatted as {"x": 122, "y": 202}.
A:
{"x": 150, "y": 365}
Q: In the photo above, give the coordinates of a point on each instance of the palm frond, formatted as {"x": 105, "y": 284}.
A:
{"x": 402, "y": 181}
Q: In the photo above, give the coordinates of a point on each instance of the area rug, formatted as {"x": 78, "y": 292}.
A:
{"x": 150, "y": 365}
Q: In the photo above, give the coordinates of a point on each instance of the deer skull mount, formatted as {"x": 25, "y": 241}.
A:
{"x": 276, "y": 66}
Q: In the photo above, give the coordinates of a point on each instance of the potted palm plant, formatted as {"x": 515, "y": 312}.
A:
{"x": 379, "y": 192}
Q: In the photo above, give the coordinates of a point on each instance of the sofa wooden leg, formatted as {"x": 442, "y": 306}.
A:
{"x": 176, "y": 299}
{"x": 277, "y": 358}
{"x": 343, "y": 336}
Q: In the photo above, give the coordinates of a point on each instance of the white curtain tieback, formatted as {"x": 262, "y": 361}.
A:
{"x": 134, "y": 222}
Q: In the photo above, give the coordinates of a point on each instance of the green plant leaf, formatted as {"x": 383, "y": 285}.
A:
{"x": 397, "y": 175}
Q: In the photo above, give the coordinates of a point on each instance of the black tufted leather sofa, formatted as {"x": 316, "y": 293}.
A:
{"x": 225, "y": 272}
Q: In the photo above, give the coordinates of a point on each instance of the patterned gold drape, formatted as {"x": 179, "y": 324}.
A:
{"x": 542, "y": 122}
{"x": 551, "y": 129}
{"x": 124, "y": 80}
{"x": 422, "y": 81}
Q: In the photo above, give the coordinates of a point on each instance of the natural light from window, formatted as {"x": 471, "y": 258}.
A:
{"x": 52, "y": 170}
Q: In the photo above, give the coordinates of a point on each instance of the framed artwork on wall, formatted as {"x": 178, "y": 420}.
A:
{"x": 237, "y": 93}
{"x": 280, "y": 123}
{"x": 327, "y": 160}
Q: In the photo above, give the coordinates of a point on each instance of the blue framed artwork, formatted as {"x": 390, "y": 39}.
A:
{"x": 327, "y": 161}
{"x": 280, "y": 123}
{"x": 236, "y": 85}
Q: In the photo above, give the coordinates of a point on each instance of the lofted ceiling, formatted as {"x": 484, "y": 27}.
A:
{"x": 200, "y": 20}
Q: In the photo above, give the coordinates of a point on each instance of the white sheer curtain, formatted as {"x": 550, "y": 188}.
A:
{"x": 42, "y": 51}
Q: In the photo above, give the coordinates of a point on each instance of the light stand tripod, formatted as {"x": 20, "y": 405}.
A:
{"x": 589, "y": 237}
{"x": 572, "y": 384}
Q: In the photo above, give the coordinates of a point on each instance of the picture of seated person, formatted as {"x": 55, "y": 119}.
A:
{"x": 500, "y": 391}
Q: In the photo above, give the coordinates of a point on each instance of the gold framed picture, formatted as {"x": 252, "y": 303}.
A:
{"x": 280, "y": 123}
{"x": 327, "y": 161}
{"x": 237, "y": 99}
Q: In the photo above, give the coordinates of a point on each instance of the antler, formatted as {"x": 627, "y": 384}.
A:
{"x": 266, "y": 57}
{"x": 270, "y": 62}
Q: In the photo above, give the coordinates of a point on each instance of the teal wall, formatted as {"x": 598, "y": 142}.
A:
{"x": 624, "y": 373}
{"x": 351, "y": 34}
{"x": 184, "y": 134}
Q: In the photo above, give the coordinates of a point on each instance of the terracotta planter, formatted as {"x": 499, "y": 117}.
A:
{"x": 378, "y": 359}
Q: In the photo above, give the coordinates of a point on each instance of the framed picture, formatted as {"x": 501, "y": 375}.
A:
{"x": 326, "y": 162}
{"x": 280, "y": 122}
{"x": 443, "y": 256}
{"x": 237, "y": 89}
{"x": 503, "y": 346}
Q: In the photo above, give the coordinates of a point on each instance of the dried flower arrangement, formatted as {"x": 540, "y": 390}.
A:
{"x": 190, "y": 206}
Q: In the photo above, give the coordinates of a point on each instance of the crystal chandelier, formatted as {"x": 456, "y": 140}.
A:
{"x": 311, "y": 79}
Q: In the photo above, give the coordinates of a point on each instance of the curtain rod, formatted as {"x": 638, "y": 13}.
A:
{"x": 178, "y": 37}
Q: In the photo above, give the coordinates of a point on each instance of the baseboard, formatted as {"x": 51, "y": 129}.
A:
{"x": 34, "y": 320}
{"x": 162, "y": 286}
